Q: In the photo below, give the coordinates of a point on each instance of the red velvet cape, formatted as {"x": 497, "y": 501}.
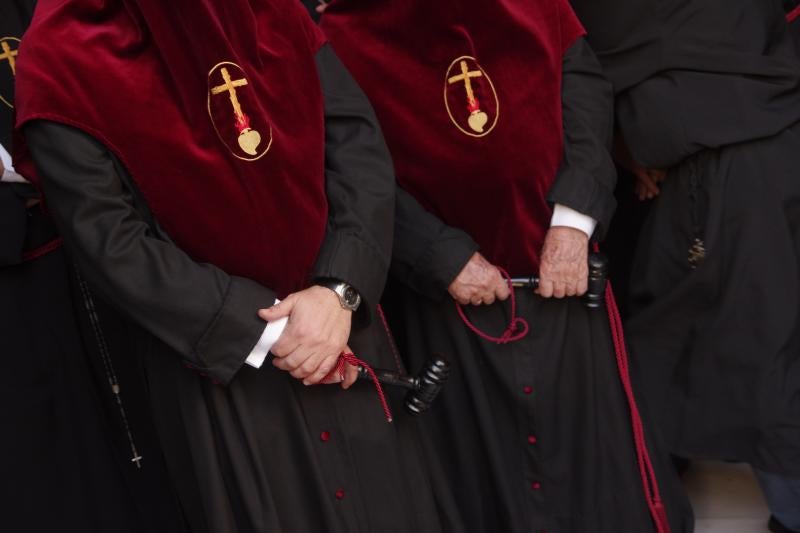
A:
{"x": 147, "y": 78}
{"x": 491, "y": 183}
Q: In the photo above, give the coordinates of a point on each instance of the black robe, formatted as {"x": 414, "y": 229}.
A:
{"x": 716, "y": 282}
{"x": 534, "y": 435}
{"x": 264, "y": 454}
{"x": 66, "y": 452}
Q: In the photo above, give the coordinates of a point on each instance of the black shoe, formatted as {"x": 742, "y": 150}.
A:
{"x": 777, "y": 527}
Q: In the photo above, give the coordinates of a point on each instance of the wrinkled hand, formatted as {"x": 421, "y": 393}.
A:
{"x": 564, "y": 269}
{"x": 479, "y": 282}
{"x": 316, "y": 334}
{"x": 647, "y": 181}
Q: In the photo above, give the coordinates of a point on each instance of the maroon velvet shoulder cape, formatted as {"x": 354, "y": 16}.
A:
{"x": 480, "y": 155}
{"x": 214, "y": 107}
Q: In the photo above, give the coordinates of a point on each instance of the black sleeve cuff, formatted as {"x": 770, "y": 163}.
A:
{"x": 236, "y": 329}
{"x": 348, "y": 258}
{"x": 586, "y": 195}
{"x": 441, "y": 263}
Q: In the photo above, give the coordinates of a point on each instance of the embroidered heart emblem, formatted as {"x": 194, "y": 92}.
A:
{"x": 249, "y": 141}
{"x": 477, "y": 120}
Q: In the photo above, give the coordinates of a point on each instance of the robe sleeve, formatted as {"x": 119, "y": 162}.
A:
{"x": 428, "y": 254}
{"x": 587, "y": 177}
{"x": 360, "y": 187}
{"x": 207, "y": 316}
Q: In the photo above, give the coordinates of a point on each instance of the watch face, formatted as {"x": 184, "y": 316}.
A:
{"x": 350, "y": 296}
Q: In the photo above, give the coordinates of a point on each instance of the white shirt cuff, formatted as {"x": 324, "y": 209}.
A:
{"x": 270, "y": 336}
{"x": 568, "y": 217}
{"x": 8, "y": 174}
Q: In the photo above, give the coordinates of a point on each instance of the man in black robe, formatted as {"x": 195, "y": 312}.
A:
{"x": 708, "y": 98}
{"x": 68, "y": 445}
{"x": 250, "y": 447}
{"x": 533, "y": 431}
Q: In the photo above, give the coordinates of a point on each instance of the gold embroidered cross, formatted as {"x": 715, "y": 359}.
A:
{"x": 10, "y": 56}
{"x": 466, "y": 76}
{"x": 230, "y": 87}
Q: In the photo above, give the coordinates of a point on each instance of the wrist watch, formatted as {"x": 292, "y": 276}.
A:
{"x": 348, "y": 296}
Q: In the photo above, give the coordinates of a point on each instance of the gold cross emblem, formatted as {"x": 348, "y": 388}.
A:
{"x": 8, "y": 53}
{"x": 477, "y": 118}
{"x": 466, "y": 71}
{"x": 10, "y": 56}
{"x": 249, "y": 139}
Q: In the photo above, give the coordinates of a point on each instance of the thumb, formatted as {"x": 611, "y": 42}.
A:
{"x": 279, "y": 310}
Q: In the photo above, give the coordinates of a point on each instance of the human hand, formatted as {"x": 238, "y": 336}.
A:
{"x": 316, "y": 334}
{"x": 323, "y": 5}
{"x": 564, "y": 269}
{"x": 647, "y": 181}
{"x": 479, "y": 282}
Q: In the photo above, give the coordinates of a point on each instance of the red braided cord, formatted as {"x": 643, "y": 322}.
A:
{"x": 351, "y": 359}
{"x": 395, "y": 352}
{"x": 646, "y": 470}
{"x": 511, "y": 334}
{"x": 45, "y": 249}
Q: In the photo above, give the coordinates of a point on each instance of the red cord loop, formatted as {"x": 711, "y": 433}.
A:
{"x": 517, "y": 328}
{"x": 351, "y": 359}
{"x": 646, "y": 471}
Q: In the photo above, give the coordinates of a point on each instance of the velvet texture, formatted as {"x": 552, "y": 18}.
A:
{"x": 147, "y": 78}
{"x": 406, "y": 54}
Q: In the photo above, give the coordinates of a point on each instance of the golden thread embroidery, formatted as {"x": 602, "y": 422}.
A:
{"x": 249, "y": 139}
{"x": 10, "y": 55}
{"x": 478, "y": 118}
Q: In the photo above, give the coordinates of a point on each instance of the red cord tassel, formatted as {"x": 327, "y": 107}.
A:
{"x": 351, "y": 359}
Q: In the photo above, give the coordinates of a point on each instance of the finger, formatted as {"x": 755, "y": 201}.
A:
{"x": 476, "y": 300}
{"x": 658, "y": 175}
{"x": 488, "y": 299}
{"x": 559, "y": 290}
{"x": 293, "y": 360}
{"x": 350, "y": 376}
{"x": 309, "y": 367}
{"x": 461, "y": 299}
{"x": 286, "y": 344}
{"x": 501, "y": 290}
{"x": 323, "y": 370}
{"x": 545, "y": 288}
{"x": 583, "y": 285}
{"x": 278, "y": 310}
{"x": 570, "y": 288}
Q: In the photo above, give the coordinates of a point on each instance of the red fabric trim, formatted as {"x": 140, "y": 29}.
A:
{"x": 45, "y": 249}
{"x": 793, "y": 14}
